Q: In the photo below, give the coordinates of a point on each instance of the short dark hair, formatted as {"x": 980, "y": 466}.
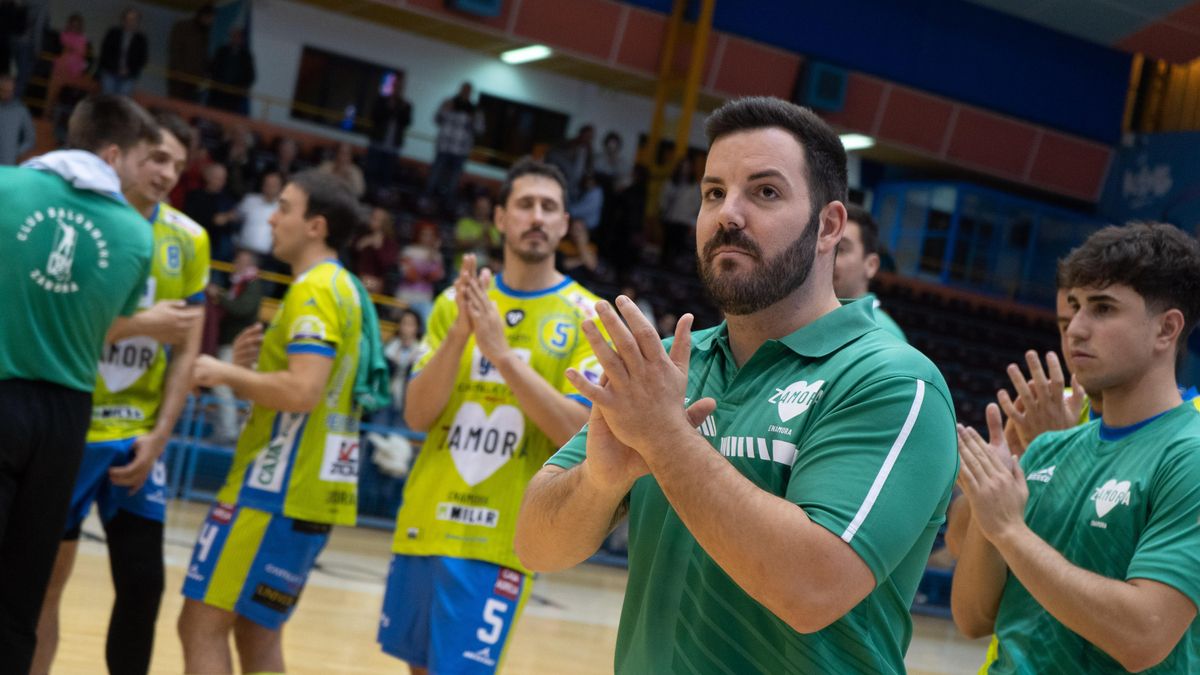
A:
{"x": 104, "y": 119}
{"x": 174, "y": 124}
{"x": 824, "y": 154}
{"x": 867, "y": 227}
{"x": 528, "y": 166}
{"x": 330, "y": 197}
{"x": 1158, "y": 261}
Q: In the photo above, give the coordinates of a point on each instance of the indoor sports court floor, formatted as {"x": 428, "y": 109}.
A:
{"x": 569, "y": 627}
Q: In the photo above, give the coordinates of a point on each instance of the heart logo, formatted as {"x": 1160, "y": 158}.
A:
{"x": 513, "y": 317}
{"x": 1109, "y": 495}
{"x": 125, "y": 361}
{"x": 796, "y": 398}
{"x": 481, "y": 443}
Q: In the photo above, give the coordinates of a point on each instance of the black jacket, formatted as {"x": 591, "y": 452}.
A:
{"x": 110, "y": 53}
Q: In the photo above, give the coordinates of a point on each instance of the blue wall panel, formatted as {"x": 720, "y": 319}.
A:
{"x": 959, "y": 50}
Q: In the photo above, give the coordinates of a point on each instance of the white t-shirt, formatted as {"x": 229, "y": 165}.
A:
{"x": 256, "y": 231}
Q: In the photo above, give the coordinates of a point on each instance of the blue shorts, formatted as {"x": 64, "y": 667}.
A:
{"x": 93, "y": 485}
{"x": 253, "y": 563}
{"x": 450, "y": 615}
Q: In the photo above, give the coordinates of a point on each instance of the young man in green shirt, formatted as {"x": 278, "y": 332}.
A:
{"x": 1082, "y": 555}
{"x": 857, "y": 262}
{"x": 75, "y": 257}
{"x": 788, "y": 531}
{"x": 143, "y": 384}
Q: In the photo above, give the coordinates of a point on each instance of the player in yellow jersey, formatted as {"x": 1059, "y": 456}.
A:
{"x": 140, "y": 391}
{"x": 295, "y": 469}
{"x": 491, "y": 392}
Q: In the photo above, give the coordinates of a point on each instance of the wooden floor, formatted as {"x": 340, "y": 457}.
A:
{"x": 569, "y": 627}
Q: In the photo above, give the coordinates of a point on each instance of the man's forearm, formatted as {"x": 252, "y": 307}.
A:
{"x": 178, "y": 382}
{"x": 825, "y": 578}
{"x": 978, "y": 582}
{"x": 565, "y": 518}
{"x": 557, "y": 416}
{"x": 1109, "y": 613}
{"x": 430, "y": 390}
{"x": 279, "y": 390}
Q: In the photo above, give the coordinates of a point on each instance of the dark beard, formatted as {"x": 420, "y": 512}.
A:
{"x": 770, "y": 282}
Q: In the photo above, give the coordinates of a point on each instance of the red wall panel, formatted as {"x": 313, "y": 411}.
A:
{"x": 1072, "y": 166}
{"x": 750, "y": 69}
{"x": 992, "y": 143}
{"x": 645, "y": 33}
{"x": 915, "y": 119}
{"x": 582, "y": 26}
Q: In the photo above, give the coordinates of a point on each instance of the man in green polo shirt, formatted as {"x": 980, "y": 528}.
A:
{"x": 857, "y": 262}
{"x": 75, "y": 256}
{"x": 786, "y": 531}
{"x": 1082, "y": 555}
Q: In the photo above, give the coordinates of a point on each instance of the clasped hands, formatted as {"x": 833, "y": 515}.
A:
{"x": 637, "y": 414}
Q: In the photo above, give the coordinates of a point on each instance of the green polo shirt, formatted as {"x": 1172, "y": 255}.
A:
{"x": 1121, "y": 503}
{"x": 841, "y": 419}
{"x": 73, "y": 261}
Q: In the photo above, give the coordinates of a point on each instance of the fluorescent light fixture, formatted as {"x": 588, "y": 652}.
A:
{"x": 854, "y": 142}
{"x": 526, "y": 54}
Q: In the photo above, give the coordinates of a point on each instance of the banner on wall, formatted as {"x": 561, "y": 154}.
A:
{"x": 1156, "y": 177}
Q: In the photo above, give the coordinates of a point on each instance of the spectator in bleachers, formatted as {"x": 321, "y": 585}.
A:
{"x": 590, "y": 204}
{"x": 857, "y": 262}
{"x": 574, "y": 158}
{"x": 610, "y": 166}
{"x": 375, "y": 253}
{"x": 458, "y": 121}
{"x": 390, "y": 118}
{"x": 26, "y": 24}
{"x": 72, "y": 63}
{"x": 420, "y": 268}
{"x": 192, "y": 177}
{"x": 17, "y": 133}
{"x": 123, "y": 54}
{"x": 475, "y": 232}
{"x": 342, "y": 165}
{"x": 235, "y": 309}
{"x": 236, "y": 153}
{"x": 286, "y": 158}
{"x": 232, "y": 75}
{"x": 678, "y": 206}
{"x": 215, "y": 210}
{"x": 578, "y": 253}
{"x": 402, "y": 352}
{"x": 255, "y": 212}
{"x": 187, "y": 59}
{"x": 613, "y": 175}
{"x": 623, "y": 236}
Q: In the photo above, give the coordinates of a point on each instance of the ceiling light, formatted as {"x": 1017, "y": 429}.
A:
{"x": 526, "y": 54}
{"x": 854, "y": 142}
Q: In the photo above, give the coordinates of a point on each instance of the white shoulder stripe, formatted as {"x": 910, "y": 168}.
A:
{"x": 881, "y": 477}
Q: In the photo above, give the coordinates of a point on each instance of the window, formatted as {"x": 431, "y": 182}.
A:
{"x": 339, "y": 91}
{"x": 512, "y": 129}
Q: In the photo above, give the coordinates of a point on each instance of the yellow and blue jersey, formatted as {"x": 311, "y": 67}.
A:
{"x": 462, "y": 497}
{"x": 305, "y": 465}
{"x": 129, "y": 384}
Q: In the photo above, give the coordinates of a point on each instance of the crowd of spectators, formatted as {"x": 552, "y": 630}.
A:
{"x": 418, "y": 222}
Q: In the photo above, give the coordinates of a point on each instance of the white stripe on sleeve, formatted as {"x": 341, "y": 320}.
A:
{"x": 881, "y": 477}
